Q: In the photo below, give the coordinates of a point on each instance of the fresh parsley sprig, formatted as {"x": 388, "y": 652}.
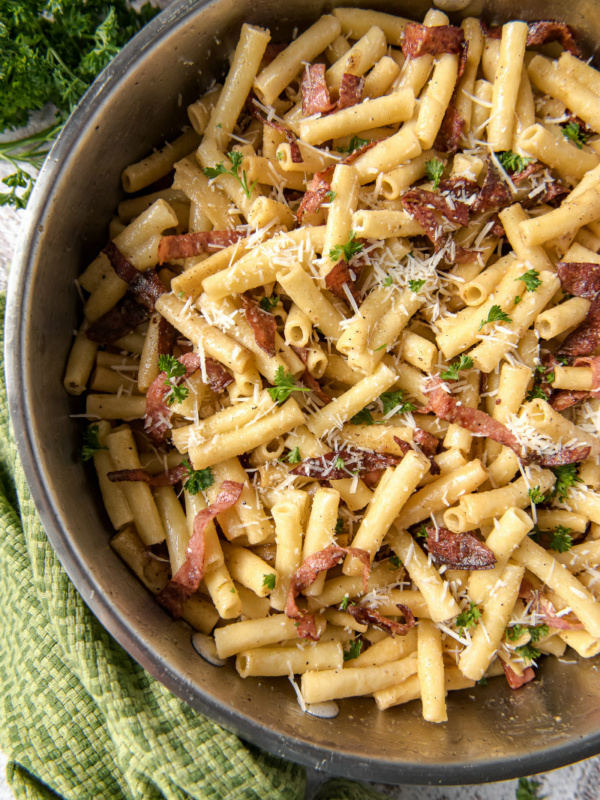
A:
{"x": 531, "y": 280}
{"x": 468, "y": 618}
{"x": 451, "y": 374}
{"x": 348, "y": 250}
{"x": 528, "y": 789}
{"x": 416, "y": 285}
{"x": 293, "y": 457}
{"x": 512, "y": 162}
{"x": 566, "y": 477}
{"x": 394, "y": 401}
{"x": 198, "y": 479}
{"x": 355, "y": 144}
{"x": 496, "y": 315}
{"x": 173, "y": 369}
{"x": 283, "y": 386}
{"x": 574, "y": 133}
{"x": 354, "y": 651}
{"x": 91, "y": 445}
{"x": 363, "y": 417}
{"x": 267, "y": 303}
{"x": 536, "y": 495}
{"x": 269, "y": 580}
{"x": 434, "y": 169}
{"x": 236, "y": 159}
{"x": 561, "y": 540}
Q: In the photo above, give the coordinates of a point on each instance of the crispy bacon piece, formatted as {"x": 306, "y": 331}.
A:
{"x": 313, "y": 384}
{"x": 594, "y": 363}
{"x": 337, "y": 277}
{"x": 579, "y": 278}
{"x": 315, "y": 195}
{"x": 434, "y": 469}
{"x": 124, "y": 268}
{"x": 315, "y": 94}
{"x": 451, "y": 129}
{"x": 351, "y": 89}
{"x": 371, "y": 479}
{"x": 119, "y": 321}
{"x": 546, "y": 612}
{"x": 188, "y": 577}
{"x": 568, "y": 455}
{"x": 458, "y": 550}
{"x": 263, "y": 324}
{"x": 495, "y": 192}
{"x": 272, "y": 51}
{"x": 461, "y": 189}
{"x": 541, "y": 32}
{"x": 186, "y": 245}
{"x": 272, "y": 123}
{"x": 158, "y": 413}
{"x": 427, "y": 441}
{"x": 586, "y": 337}
{"x": 515, "y": 681}
{"x": 552, "y": 195}
{"x": 307, "y": 574}
{"x": 367, "y": 616}
{"x": 565, "y": 398}
{"x": 355, "y": 462}
{"x": 167, "y": 335}
{"x": 425, "y": 206}
{"x": 169, "y": 478}
{"x": 421, "y": 40}
{"x": 145, "y": 286}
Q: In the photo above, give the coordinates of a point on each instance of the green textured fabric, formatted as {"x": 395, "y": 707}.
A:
{"x": 78, "y": 717}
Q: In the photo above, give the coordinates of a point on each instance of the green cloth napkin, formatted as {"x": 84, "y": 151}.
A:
{"x": 78, "y": 717}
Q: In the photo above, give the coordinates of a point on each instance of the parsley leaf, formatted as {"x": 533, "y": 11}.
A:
{"x": 512, "y": 162}
{"x": 269, "y": 581}
{"x": 387, "y": 281}
{"x": 515, "y": 632}
{"x": 346, "y": 251}
{"x": 415, "y": 286}
{"x": 339, "y": 463}
{"x": 538, "y": 632}
{"x": 355, "y": 144}
{"x": 566, "y": 476}
{"x": 330, "y": 196}
{"x": 363, "y": 417}
{"x": 517, "y": 299}
{"x": 496, "y": 315}
{"x": 339, "y": 525}
{"x": 267, "y": 303}
{"x": 395, "y": 562}
{"x": 573, "y": 132}
{"x": 344, "y": 603}
{"x": 422, "y": 532}
{"x": 528, "y": 652}
{"x": 536, "y": 496}
{"x": 434, "y": 169}
{"x": 468, "y": 618}
{"x": 236, "y": 159}
{"x": 293, "y": 457}
{"x": 173, "y": 369}
{"x": 91, "y": 445}
{"x": 198, "y": 479}
{"x": 354, "y": 651}
{"x": 561, "y": 540}
{"x": 284, "y": 385}
{"x": 451, "y": 374}
{"x": 531, "y": 280}
{"x": 528, "y": 789}
{"x": 393, "y": 401}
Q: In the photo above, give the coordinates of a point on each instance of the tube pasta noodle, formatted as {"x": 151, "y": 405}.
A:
{"x": 339, "y": 352}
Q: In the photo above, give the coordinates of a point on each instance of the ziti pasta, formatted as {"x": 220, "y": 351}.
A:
{"x": 342, "y": 375}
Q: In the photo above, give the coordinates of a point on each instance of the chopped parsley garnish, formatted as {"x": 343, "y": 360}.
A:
{"x": 355, "y": 144}
{"x": 181, "y": 295}
{"x": 531, "y": 280}
{"x": 422, "y": 532}
{"x": 496, "y": 315}
{"x": 387, "y": 281}
{"x": 91, "y": 445}
{"x": 468, "y": 618}
{"x": 515, "y": 632}
{"x": 536, "y": 495}
{"x": 293, "y": 457}
{"x": 173, "y": 369}
{"x": 538, "y": 632}
{"x": 393, "y": 400}
{"x": 415, "y": 286}
{"x": 339, "y": 525}
{"x": 517, "y": 299}
{"x": 561, "y": 540}
{"x": 535, "y": 633}
{"x": 573, "y": 132}
{"x": 434, "y": 169}
{"x": 346, "y": 251}
{"x": 330, "y": 196}
{"x": 339, "y": 463}
{"x": 381, "y": 347}
{"x": 354, "y": 651}
{"x": 236, "y": 162}
{"x": 536, "y": 392}
{"x": 528, "y": 652}
{"x": 512, "y": 162}
{"x": 269, "y": 581}
{"x": 482, "y": 681}
{"x": 198, "y": 479}
{"x": 451, "y": 374}
{"x": 267, "y": 303}
{"x": 284, "y": 385}
{"x": 363, "y": 417}
{"x": 395, "y": 562}
{"x": 344, "y": 603}
{"x": 566, "y": 476}
{"x": 528, "y": 789}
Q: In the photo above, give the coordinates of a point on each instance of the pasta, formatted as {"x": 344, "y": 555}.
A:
{"x": 342, "y": 378}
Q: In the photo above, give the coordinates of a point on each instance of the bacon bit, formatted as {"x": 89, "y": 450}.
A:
{"x": 434, "y": 468}
{"x": 301, "y": 352}
{"x": 124, "y": 268}
{"x": 337, "y": 277}
{"x": 187, "y": 245}
{"x": 371, "y": 479}
{"x": 351, "y": 89}
{"x": 594, "y": 363}
{"x": 421, "y": 40}
{"x": 315, "y": 195}
{"x": 357, "y": 153}
{"x": 367, "y": 616}
{"x": 461, "y": 189}
{"x": 548, "y": 30}
{"x": 427, "y": 441}
{"x": 565, "y": 398}
{"x": 119, "y": 321}
{"x": 498, "y": 229}
{"x": 458, "y": 550}
{"x": 315, "y": 94}
{"x": 263, "y": 324}
{"x": 586, "y": 337}
{"x": 167, "y": 336}
{"x": 356, "y": 462}
{"x": 272, "y": 51}
{"x": 158, "y": 413}
{"x": 527, "y": 592}
{"x": 581, "y": 279}
{"x": 277, "y": 126}
{"x": 313, "y": 384}
{"x": 424, "y": 206}
{"x": 495, "y": 193}
{"x": 189, "y": 576}
{"x": 307, "y": 574}
{"x": 547, "y": 613}
{"x": 145, "y": 286}
{"x": 568, "y": 455}
{"x": 450, "y": 132}
{"x": 515, "y": 681}
{"x": 169, "y": 478}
